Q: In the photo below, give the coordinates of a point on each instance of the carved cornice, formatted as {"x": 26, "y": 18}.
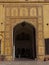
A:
{"x": 26, "y": 1}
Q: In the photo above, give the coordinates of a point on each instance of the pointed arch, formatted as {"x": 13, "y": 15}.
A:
{"x": 24, "y": 40}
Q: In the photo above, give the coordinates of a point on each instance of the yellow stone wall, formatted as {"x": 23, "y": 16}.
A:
{"x": 46, "y": 20}
{"x": 2, "y": 20}
{"x": 45, "y": 27}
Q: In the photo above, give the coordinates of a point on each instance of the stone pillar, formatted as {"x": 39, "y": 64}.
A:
{"x": 41, "y": 44}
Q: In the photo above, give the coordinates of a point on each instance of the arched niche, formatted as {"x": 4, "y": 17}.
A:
{"x": 24, "y": 40}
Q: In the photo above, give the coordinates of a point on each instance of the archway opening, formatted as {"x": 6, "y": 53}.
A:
{"x": 24, "y": 40}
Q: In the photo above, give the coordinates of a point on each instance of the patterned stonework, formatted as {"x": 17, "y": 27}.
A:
{"x": 16, "y": 13}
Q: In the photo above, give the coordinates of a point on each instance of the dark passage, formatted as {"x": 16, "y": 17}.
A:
{"x": 24, "y": 41}
{"x": 47, "y": 46}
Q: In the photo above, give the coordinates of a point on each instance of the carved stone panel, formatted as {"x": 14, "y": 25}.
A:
{"x": 21, "y": 11}
{"x": 33, "y": 12}
{"x": 17, "y": 14}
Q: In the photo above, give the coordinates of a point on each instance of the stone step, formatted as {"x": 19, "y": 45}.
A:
{"x": 24, "y": 63}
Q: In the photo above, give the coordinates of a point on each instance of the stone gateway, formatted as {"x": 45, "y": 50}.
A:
{"x": 24, "y": 29}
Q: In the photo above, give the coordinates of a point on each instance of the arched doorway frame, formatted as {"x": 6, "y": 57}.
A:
{"x": 33, "y": 23}
{"x": 39, "y": 28}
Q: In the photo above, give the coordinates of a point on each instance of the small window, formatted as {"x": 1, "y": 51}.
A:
{"x": 47, "y": 46}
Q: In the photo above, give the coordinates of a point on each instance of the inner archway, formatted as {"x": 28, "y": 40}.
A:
{"x": 24, "y": 41}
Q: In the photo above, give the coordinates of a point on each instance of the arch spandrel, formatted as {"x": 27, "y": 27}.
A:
{"x": 16, "y": 22}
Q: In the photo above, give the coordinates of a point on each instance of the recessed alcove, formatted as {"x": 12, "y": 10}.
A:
{"x": 24, "y": 41}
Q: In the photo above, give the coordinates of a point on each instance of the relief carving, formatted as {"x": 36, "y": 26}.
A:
{"x": 14, "y": 11}
{"x": 21, "y": 11}
{"x": 33, "y": 12}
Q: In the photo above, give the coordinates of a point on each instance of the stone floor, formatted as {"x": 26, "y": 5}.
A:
{"x": 24, "y": 62}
